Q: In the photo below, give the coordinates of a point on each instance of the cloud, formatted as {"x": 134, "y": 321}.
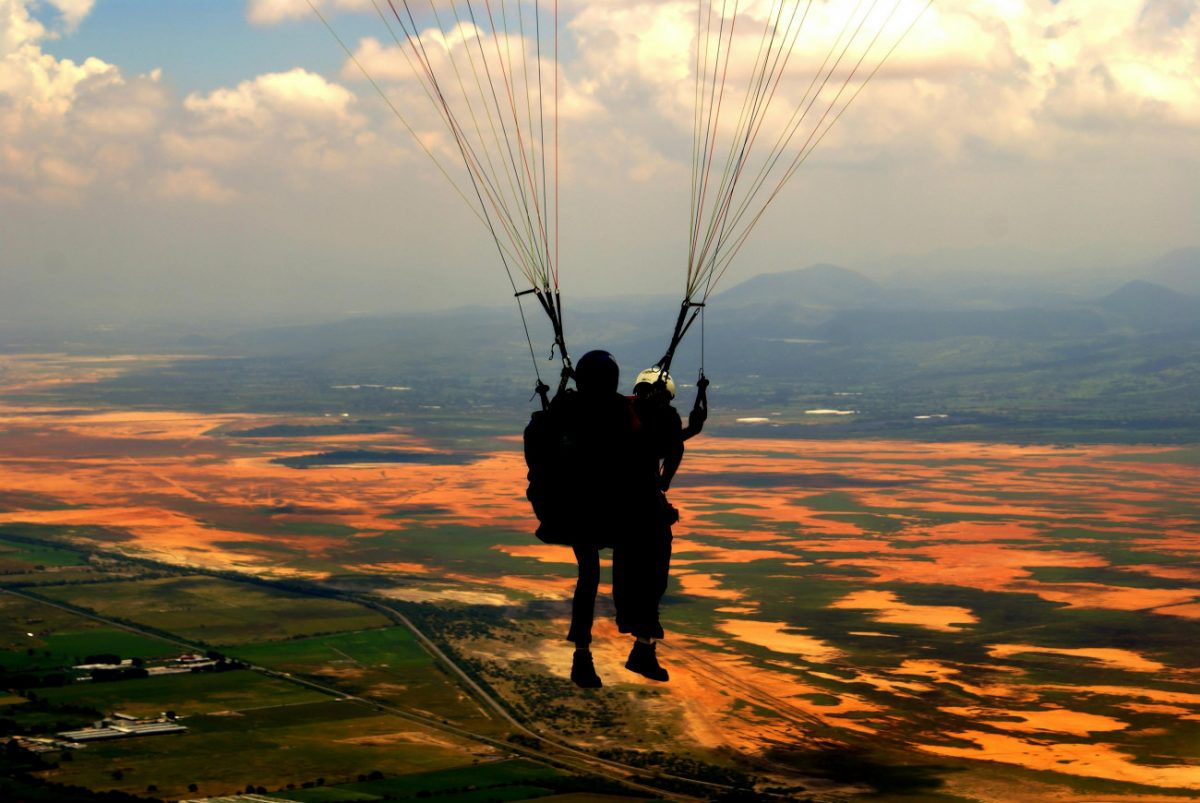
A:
{"x": 73, "y": 11}
{"x": 60, "y": 118}
{"x": 291, "y": 130}
{"x": 297, "y": 96}
{"x": 71, "y": 129}
{"x": 1014, "y": 76}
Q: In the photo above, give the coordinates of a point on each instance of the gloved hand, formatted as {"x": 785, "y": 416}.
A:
{"x": 699, "y": 413}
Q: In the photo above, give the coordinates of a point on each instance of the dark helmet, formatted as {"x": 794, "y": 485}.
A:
{"x": 597, "y": 372}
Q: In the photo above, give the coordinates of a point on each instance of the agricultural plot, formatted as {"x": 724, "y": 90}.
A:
{"x": 224, "y": 751}
{"x": 217, "y": 612}
{"x": 18, "y": 557}
{"x": 34, "y": 635}
{"x": 489, "y": 780}
{"x": 385, "y": 665}
{"x": 186, "y": 695}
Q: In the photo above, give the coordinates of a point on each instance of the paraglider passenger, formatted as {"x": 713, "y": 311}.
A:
{"x": 642, "y": 560}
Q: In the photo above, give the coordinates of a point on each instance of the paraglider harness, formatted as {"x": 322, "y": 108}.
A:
{"x": 547, "y": 455}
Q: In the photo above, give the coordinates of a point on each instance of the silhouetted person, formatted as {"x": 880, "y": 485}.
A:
{"x": 599, "y": 468}
{"x": 642, "y": 558}
{"x": 580, "y": 484}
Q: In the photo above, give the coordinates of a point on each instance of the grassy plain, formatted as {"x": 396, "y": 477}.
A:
{"x": 222, "y": 753}
{"x": 34, "y": 634}
{"x": 21, "y": 557}
{"x": 216, "y": 611}
{"x": 384, "y": 665}
{"x": 489, "y": 780}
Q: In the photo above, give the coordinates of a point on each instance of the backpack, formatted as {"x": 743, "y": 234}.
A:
{"x": 545, "y": 456}
{"x": 579, "y": 454}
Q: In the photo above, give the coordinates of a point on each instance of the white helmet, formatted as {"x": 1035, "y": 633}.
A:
{"x": 653, "y": 375}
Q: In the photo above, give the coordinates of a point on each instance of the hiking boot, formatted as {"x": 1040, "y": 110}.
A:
{"x": 583, "y": 672}
{"x": 644, "y": 660}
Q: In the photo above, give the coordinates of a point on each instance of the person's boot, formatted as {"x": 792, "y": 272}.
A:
{"x": 583, "y": 672}
{"x": 643, "y": 659}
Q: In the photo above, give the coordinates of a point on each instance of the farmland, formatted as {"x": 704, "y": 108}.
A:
{"x": 962, "y": 619}
{"x": 212, "y": 611}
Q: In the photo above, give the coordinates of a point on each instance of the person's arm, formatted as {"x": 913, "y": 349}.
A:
{"x": 699, "y": 413}
{"x": 670, "y": 465}
{"x": 672, "y": 448}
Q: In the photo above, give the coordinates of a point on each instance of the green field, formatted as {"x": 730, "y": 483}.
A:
{"x": 392, "y": 647}
{"x": 35, "y": 635}
{"x": 491, "y": 780}
{"x": 222, "y": 754}
{"x": 218, "y": 612}
{"x": 68, "y": 649}
{"x": 18, "y": 556}
{"x": 386, "y": 665}
{"x": 187, "y": 695}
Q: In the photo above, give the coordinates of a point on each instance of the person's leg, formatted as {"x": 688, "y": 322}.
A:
{"x": 583, "y": 608}
{"x": 583, "y": 604}
{"x": 624, "y": 586}
{"x": 652, "y": 576}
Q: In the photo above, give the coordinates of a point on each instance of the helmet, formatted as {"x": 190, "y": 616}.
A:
{"x": 654, "y": 375}
{"x": 597, "y": 372}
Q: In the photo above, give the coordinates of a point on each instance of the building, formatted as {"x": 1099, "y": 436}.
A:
{"x": 121, "y": 729}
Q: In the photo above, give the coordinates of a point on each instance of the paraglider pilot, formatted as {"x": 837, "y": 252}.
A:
{"x": 580, "y": 485}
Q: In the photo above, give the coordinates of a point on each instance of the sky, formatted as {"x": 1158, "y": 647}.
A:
{"x": 175, "y": 159}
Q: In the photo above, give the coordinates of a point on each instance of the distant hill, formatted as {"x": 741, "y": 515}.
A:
{"x": 820, "y": 285}
{"x": 1151, "y": 306}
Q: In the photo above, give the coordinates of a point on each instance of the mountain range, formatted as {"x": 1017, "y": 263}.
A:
{"x": 1028, "y": 355}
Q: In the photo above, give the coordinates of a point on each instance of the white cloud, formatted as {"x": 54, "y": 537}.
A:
{"x": 57, "y": 115}
{"x": 1022, "y": 76}
{"x": 73, "y": 128}
{"x": 289, "y": 130}
{"x": 73, "y": 11}
{"x": 296, "y": 95}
